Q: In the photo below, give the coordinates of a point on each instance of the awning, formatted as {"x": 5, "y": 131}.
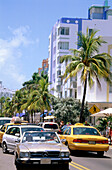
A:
{"x": 42, "y": 114}
{"x": 17, "y": 114}
{"x": 22, "y": 114}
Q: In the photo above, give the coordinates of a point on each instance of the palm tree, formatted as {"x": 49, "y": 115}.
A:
{"x": 8, "y": 107}
{"x": 2, "y": 100}
{"x": 40, "y": 99}
{"x": 93, "y": 66}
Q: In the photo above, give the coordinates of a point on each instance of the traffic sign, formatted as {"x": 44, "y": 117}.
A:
{"x": 94, "y": 109}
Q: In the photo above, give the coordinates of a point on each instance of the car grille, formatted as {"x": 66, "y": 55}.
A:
{"x": 47, "y": 154}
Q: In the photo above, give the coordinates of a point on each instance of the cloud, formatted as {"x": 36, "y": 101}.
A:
{"x": 11, "y": 54}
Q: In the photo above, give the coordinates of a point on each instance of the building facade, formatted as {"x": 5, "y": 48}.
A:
{"x": 44, "y": 67}
{"x": 64, "y": 37}
{"x": 5, "y": 92}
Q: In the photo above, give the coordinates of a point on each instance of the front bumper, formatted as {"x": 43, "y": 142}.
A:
{"x": 42, "y": 161}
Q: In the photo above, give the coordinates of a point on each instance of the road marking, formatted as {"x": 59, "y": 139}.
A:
{"x": 78, "y": 166}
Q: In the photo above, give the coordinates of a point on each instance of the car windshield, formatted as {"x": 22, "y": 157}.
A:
{"x": 2, "y": 122}
{"x": 25, "y": 129}
{"x": 48, "y": 137}
{"x": 85, "y": 131}
{"x": 51, "y": 126}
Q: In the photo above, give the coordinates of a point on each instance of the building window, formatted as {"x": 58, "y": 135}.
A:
{"x": 63, "y": 45}
{"x": 110, "y": 88}
{"x": 90, "y": 31}
{"x": 58, "y": 73}
{"x": 58, "y": 60}
{"x": 74, "y": 84}
{"x": 65, "y": 94}
{"x": 70, "y": 92}
{"x": 60, "y": 94}
{"x": 63, "y": 31}
{"x": 58, "y": 88}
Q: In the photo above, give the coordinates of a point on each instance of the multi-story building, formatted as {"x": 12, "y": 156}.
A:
{"x": 5, "y": 92}
{"x": 44, "y": 67}
{"x": 63, "y": 38}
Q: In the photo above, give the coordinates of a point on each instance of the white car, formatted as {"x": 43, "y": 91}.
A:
{"x": 13, "y": 134}
{"x": 4, "y": 120}
{"x": 49, "y": 126}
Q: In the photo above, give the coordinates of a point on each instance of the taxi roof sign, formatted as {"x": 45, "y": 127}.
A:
{"x": 94, "y": 109}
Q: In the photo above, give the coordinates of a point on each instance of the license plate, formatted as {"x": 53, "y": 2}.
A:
{"x": 35, "y": 162}
{"x": 91, "y": 142}
{"x": 45, "y": 161}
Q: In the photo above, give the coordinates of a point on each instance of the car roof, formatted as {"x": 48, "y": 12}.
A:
{"x": 49, "y": 123}
{"x": 24, "y": 126}
{"x": 5, "y": 118}
{"x": 81, "y": 125}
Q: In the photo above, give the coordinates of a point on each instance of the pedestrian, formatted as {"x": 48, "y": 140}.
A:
{"x": 86, "y": 123}
{"x": 61, "y": 124}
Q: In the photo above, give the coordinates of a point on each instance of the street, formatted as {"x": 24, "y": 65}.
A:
{"x": 82, "y": 161}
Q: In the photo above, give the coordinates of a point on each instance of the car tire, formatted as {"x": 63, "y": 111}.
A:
{"x": 4, "y": 148}
{"x": 18, "y": 167}
{"x": 66, "y": 167}
{"x": 100, "y": 153}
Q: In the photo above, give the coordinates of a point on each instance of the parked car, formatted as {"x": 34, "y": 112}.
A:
{"x": 49, "y": 126}
{"x": 86, "y": 138}
{"x": 14, "y": 133}
{"x": 4, "y": 120}
{"x": 42, "y": 149}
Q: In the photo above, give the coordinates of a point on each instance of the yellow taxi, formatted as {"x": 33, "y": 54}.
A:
{"x": 5, "y": 127}
{"x": 85, "y": 138}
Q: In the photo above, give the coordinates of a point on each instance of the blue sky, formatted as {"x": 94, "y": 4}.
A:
{"x": 25, "y": 26}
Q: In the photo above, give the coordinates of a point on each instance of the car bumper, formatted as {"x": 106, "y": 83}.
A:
{"x": 33, "y": 161}
{"x": 89, "y": 147}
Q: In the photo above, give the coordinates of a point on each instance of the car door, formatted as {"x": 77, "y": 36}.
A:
{"x": 12, "y": 136}
{"x": 15, "y": 136}
{"x": 2, "y": 131}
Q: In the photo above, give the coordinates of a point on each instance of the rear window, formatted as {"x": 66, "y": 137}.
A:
{"x": 85, "y": 131}
{"x": 31, "y": 129}
{"x": 2, "y": 122}
{"x": 51, "y": 126}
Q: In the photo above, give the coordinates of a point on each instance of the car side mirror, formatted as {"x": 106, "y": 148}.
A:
{"x": 17, "y": 140}
{"x": 63, "y": 141}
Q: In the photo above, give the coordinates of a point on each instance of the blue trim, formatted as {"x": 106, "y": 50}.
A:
{"x": 71, "y": 20}
{"x": 79, "y": 29}
{"x": 88, "y": 13}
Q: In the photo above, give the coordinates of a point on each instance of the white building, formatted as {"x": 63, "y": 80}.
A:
{"x": 64, "y": 37}
{"x": 5, "y": 92}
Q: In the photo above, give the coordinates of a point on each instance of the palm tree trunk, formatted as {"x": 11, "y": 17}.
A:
{"x": 82, "y": 119}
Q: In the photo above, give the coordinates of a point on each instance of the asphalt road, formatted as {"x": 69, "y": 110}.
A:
{"x": 81, "y": 161}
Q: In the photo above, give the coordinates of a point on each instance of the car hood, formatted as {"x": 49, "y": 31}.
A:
{"x": 43, "y": 147}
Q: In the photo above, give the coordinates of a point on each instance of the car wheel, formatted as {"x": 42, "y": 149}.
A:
{"x": 100, "y": 153}
{"x": 4, "y": 148}
{"x": 18, "y": 167}
{"x": 66, "y": 167}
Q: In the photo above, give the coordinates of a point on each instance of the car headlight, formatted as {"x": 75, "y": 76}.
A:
{"x": 64, "y": 154}
{"x": 24, "y": 154}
